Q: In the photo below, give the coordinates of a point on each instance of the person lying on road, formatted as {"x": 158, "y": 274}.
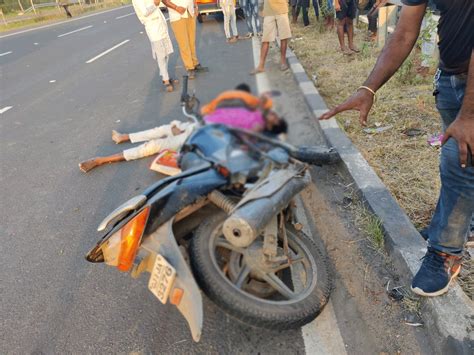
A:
{"x": 236, "y": 108}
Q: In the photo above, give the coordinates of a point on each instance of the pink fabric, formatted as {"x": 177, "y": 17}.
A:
{"x": 237, "y": 117}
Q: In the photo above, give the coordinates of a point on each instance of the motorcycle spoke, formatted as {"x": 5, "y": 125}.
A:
{"x": 279, "y": 286}
{"x": 243, "y": 274}
{"x": 223, "y": 243}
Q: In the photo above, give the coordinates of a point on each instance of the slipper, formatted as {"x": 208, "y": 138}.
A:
{"x": 356, "y": 50}
{"x": 257, "y": 71}
{"x": 347, "y": 52}
{"x": 284, "y": 67}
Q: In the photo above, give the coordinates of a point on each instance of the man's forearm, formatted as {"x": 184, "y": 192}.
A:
{"x": 467, "y": 108}
{"x": 169, "y": 3}
{"x": 398, "y": 47}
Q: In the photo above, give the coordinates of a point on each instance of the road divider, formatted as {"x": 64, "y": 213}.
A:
{"x": 78, "y": 30}
{"x": 6, "y": 53}
{"x": 130, "y": 14}
{"x": 107, "y": 51}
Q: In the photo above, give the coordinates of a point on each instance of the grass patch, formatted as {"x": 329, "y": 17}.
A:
{"x": 49, "y": 15}
{"x": 368, "y": 223}
{"x": 407, "y": 165}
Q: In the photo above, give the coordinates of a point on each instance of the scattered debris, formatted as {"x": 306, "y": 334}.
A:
{"x": 397, "y": 293}
{"x": 413, "y": 132}
{"x": 435, "y": 140}
{"x": 374, "y": 130}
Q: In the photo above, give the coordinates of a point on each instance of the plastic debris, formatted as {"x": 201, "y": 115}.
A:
{"x": 435, "y": 140}
{"x": 374, "y": 130}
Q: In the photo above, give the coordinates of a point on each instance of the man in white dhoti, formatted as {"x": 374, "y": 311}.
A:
{"x": 156, "y": 28}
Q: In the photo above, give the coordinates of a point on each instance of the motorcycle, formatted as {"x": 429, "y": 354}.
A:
{"x": 227, "y": 226}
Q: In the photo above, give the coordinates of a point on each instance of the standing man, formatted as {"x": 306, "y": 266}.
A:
{"x": 275, "y": 24}
{"x": 150, "y": 15}
{"x": 250, "y": 8}
{"x": 345, "y": 13}
{"x": 183, "y": 22}
{"x": 302, "y": 5}
{"x": 454, "y": 92}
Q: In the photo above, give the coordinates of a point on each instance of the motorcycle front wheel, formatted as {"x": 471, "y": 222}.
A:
{"x": 275, "y": 295}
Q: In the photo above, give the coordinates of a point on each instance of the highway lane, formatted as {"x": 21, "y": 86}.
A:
{"x": 52, "y": 300}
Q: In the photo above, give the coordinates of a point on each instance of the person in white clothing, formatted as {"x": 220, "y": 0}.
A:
{"x": 169, "y": 136}
{"x": 156, "y": 28}
{"x": 230, "y": 20}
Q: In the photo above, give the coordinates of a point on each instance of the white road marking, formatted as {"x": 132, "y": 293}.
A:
{"x": 130, "y": 14}
{"x": 60, "y": 23}
{"x": 36, "y": 43}
{"x": 107, "y": 51}
{"x": 71, "y": 32}
{"x": 52, "y": 81}
{"x": 6, "y": 53}
{"x": 5, "y": 109}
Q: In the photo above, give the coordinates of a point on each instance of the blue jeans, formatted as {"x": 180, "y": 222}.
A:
{"x": 448, "y": 229}
{"x": 250, "y": 9}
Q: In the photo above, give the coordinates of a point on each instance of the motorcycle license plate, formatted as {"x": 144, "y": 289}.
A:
{"x": 161, "y": 279}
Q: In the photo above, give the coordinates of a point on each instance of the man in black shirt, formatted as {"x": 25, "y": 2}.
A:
{"x": 454, "y": 91}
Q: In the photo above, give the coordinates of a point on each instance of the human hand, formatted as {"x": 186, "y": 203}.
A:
{"x": 181, "y": 10}
{"x": 462, "y": 130}
{"x": 337, "y": 6}
{"x": 361, "y": 101}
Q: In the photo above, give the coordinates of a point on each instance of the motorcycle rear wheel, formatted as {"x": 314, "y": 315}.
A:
{"x": 232, "y": 278}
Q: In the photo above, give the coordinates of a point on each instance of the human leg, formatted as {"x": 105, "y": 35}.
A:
{"x": 191, "y": 33}
{"x": 248, "y": 16}
{"x": 225, "y": 12}
{"x": 448, "y": 230}
{"x": 305, "y": 16}
{"x": 255, "y": 17}
{"x": 181, "y": 34}
{"x": 233, "y": 22}
{"x": 350, "y": 35}
{"x": 90, "y": 164}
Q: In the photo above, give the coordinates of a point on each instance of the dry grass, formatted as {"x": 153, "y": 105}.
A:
{"x": 407, "y": 165}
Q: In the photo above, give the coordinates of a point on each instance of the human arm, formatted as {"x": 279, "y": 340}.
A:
{"x": 392, "y": 57}
{"x": 462, "y": 129}
{"x": 168, "y": 3}
{"x": 337, "y": 5}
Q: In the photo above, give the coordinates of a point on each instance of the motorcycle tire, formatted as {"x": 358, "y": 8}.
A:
{"x": 246, "y": 307}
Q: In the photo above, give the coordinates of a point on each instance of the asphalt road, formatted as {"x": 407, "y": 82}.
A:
{"x": 62, "y": 111}
{"x": 59, "y": 102}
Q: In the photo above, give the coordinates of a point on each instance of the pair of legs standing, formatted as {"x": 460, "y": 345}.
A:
{"x": 345, "y": 18}
{"x": 162, "y": 50}
{"x": 274, "y": 26}
{"x": 250, "y": 8}
{"x": 230, "y": 22}
{"x": 184, "y": 30}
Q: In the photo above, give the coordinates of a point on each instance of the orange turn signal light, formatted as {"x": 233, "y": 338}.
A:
{"x": 176, "y": 296}
{"x": 131, "y": 236}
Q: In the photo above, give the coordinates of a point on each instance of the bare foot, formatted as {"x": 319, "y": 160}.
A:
{"x": 87, "y": 165}
{"x": 354, "y": 49}
{"x": 119, "y": 137}
{"x": 257, "y": 71}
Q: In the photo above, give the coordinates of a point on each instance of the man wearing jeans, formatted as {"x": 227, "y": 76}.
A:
{"x": 454, "y": 91}
{"x": 183, "y": 22}
{"x": 250, "y": 9}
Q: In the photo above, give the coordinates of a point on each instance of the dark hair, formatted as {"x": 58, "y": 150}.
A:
{"x": 281, "y": 127}
{"x": 243, "y": 87}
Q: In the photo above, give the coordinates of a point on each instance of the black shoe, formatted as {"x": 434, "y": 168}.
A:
{"x": 200, "y": 68}
{"x": 436, "y": 273}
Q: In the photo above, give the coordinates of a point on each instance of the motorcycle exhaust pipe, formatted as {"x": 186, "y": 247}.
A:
{"x": 248, "y": 221}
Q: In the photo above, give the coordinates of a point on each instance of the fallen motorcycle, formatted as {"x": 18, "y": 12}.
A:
{"x": 227, "y": 224}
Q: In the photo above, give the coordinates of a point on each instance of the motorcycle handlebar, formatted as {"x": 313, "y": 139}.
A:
{"x": 184, "y": 92}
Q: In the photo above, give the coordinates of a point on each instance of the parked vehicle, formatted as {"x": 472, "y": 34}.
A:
{"x": 226, "y": 224}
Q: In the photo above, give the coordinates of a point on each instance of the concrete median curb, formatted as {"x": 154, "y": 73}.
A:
{"x": 449, "y": 318}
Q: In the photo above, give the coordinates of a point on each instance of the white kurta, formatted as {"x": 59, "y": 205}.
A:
{"x": 156, "y": 28}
